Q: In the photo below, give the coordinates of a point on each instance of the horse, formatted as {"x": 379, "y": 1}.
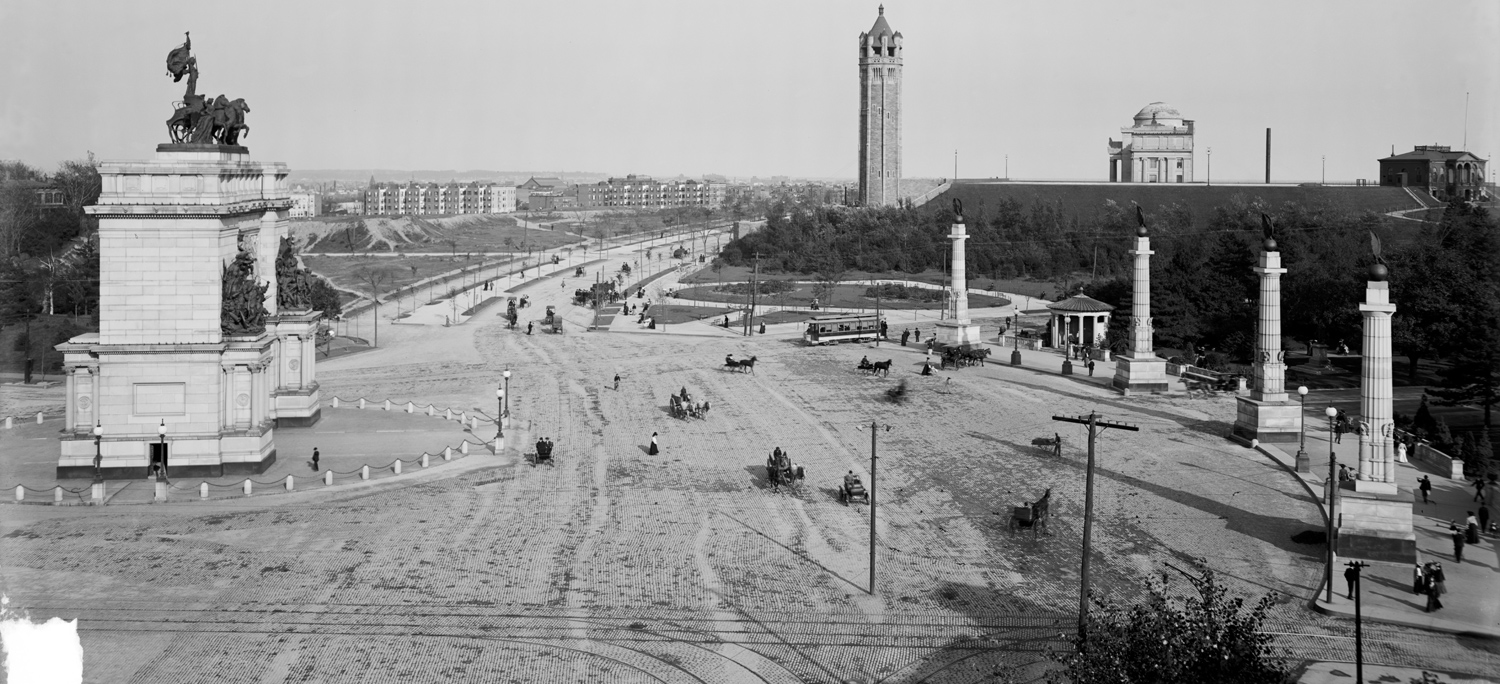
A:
{"x": 883, "y": 367}
{"x": 747, "y": 364}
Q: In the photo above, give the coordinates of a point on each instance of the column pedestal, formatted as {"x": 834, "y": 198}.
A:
{"x": 1146, "y": 374}
{"x": 1278, "y": 422}
{"x": 1375, "y": 526}
{"x": 958, "y": 333}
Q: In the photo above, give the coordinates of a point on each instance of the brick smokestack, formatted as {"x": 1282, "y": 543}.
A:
{"x": 1268, "y": 156}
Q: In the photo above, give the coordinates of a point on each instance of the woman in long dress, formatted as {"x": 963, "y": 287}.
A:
{"x": 653, "y": 450}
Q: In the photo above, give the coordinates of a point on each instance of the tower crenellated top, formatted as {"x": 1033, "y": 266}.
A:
{"x": 880, "y": 42}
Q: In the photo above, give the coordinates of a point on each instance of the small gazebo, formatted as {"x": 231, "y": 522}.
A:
{"x": 1078, "y": 319}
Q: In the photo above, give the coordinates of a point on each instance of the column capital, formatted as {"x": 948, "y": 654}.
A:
{"x": 1269, "y": 271}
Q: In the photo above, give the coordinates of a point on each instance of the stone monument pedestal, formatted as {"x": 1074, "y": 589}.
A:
{"x": 1375, "y": 526}
{"x": 958, "y": 333}
{"x": 161, "y": 378}
{"x": 1145, "y": 374}
{"x": 1278, "y": 422}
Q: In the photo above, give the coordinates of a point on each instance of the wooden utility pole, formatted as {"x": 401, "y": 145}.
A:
{"x": 754, "y": 282}
{"x": 1095, "y": 425}
{"x": 874, "y": 428}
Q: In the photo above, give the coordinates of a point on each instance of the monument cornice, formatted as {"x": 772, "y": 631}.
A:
{"x": 158, "y": 348}
{"x": 186, "y": 210}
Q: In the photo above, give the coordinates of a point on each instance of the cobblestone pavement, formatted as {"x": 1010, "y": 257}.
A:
{"x": 615, "y": 565}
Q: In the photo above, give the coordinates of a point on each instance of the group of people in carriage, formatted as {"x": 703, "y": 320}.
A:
{"x": 780, "y": 469}
{"x": 683, "y": 406}
{"x": 543, "y": 451}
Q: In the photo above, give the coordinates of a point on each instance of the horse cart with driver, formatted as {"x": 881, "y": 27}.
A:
{"x": 780, "y": 470}
{"x": 543, "y": 453}
{"x": 552, "y": 321}
{"x": 1032, "y": 516}
{"x": 851, "y": 488}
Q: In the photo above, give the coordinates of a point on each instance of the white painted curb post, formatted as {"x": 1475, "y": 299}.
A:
{"x": 364, "y": 472}
{"x": 10, "y": 422}
{"x": 410, "y": 407}
{"x": 203, "y": 490}
{"x": 464, "y": 447}
{"x": 396, "y": 467}
{"x": 20, "y": 493}
{"x": 447, "y": 453}
{"x": 429, "y": 409}
{"x": 38, "y": 417}
{"x": 424, "y": 460}
{"x": 361, "y": 402}
{"x": 247, "y": 487}
{"x": 335, "y": 402}
{"x": 57, "y": 495}
{"x": 328, "y": 478}
{"x": 98, "y": 493}
{"x": 289, "y": 483}
{"x": 447, "y": 415}
{"x": 387, "y": 404}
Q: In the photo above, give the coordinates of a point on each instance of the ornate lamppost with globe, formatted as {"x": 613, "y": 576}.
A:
{"x": 98, "y": 454}
{"x": 499, "y": 413}
{"x": 1304, "y": 463}
{"x": 161, "y": 463}
{"x": 505, "y": 410}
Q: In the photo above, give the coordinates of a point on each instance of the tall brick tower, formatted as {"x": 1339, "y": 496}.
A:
{"x": 879, "y": 114}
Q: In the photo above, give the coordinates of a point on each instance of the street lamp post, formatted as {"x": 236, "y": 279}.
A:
{"x": 1325, "y": 169}
{"x": 1333, "y": 484}
{"x": 161, "y": 464}
{"x": 1210, "y": 166}
{"x": 505, "y": 410}
{"x": 1304, "y": 463}
{"x": 98, "y": 454}
{"x": 1359, "y": 634}
{"x": 499, "y": 413}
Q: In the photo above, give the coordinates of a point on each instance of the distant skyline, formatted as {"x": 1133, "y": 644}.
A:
{"x": 761, "y": 88}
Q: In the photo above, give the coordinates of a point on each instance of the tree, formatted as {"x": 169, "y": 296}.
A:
{"x": 376, "y": 280}
{"x": 1208, "y": 638}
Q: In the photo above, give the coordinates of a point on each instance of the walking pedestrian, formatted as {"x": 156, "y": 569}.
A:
{"x": 1056, "y": 445}
{"x": 1350, "y": 575}
{"x": 1425, "y": 485}
{"x": 1439, "y": 581}
{"x": 315, "y": 458}
{"x": 1418, "y": 579}
{"x": 1091, "y": 368}
{"x": 1458, "y": 543}
{"x": 905, "y": 335}
{"x": 916, "y": 336}
{"x": 653, "y": 450}
{"x": 617, "y": 382}
{"x": 1471, "y": 528}
{"x": 528, "y": 326}
{"x": 1430, "y": 587}
{"x": 1479, "y": 489}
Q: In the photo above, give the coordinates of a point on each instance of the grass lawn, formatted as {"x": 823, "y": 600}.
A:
{"x": 404, "y": 270}
{"x": 683, "y": 314}
{"x": 424, "y": 234}
{"x": 847, "y": 296}
{"x": 739, "y": 274}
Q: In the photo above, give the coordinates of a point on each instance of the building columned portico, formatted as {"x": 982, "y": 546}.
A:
{"x": 1158, "y": 148}
{"x": 1078, "y": 320}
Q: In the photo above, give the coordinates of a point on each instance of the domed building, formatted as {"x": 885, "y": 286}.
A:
{"x": 1157, "y": 148}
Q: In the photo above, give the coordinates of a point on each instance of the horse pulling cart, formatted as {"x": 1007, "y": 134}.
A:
{"x": 552, "y": 321}
{"x": 781, "y": 471}
{"x": 1032, "y": 516}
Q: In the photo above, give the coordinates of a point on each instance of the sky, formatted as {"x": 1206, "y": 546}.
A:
{"x": 762, "y": 87}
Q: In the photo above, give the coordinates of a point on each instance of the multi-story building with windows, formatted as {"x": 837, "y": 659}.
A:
{"x": 644, "y": 192}
{"x": 1437, "y": 170}
{"x": 306, "y": 205}
{"x": 435, "y": 198}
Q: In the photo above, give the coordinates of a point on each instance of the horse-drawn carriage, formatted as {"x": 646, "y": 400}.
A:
{"x": 953, "y": 356}
{"x": 511, "y": 317}
{"x": 741, "y": 365}
{"x": 780, "y": 470}
{"x": 552, "y": 321}
{"x": 595, "y": 294}
{"x": 897, "y": 394}
{"x": 684, "y": 407}
{"x": 851, "y": 488}
{"x": 543, "y": 453}
{"x": 1032, "y": 516}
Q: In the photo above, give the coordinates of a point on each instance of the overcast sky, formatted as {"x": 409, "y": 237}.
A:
{"x": 756, "y": 87}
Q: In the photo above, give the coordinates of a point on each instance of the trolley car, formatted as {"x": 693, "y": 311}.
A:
{"x": 841, "y": 328}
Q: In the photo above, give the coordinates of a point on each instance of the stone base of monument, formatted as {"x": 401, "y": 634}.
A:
{"x": 1141, "y": 375}
{"x": 1376, "y": 527}
{"x": 958, "y": 334}
{"x": 1268, "y": 421}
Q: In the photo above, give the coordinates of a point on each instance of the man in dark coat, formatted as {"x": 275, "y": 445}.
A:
{"x": 1351, "y": 575}
{"x": 1458, "y": 542}
{"x": 1425, "y": 485}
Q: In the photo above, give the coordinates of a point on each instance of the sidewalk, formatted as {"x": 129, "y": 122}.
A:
{"x": 1469, "y": 607}
{"x": 1325, "y": 672}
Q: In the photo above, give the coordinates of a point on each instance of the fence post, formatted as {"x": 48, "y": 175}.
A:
{"x": 396, "y": 467}
{"x": 38, "y": 417}
{"x": 429, "y": 409}
{"x": 387, "y": 404}
{"x": 361, "y": 402}
{"x": 57, "y": 495}
{"x": 410, "y": 407}
{"x": 447, "y": 453}
{"x": 424, "y": 460}
{"x": 20, "y": 493}
{"x": 247, "y": 486}
{"x": 98, "y": 493}
{"x": 473, "y": 423}
{"x": 464, "y": 447}
{"x": 364, "y": 472}
{"x": 335, "y": 401}
{"x": 289, "y": 483}
{"x": 328, "y": 477}
{"x": 10, "y": 422}
{"x": 447, "y": 414}
{"x": 203, "y": 490}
